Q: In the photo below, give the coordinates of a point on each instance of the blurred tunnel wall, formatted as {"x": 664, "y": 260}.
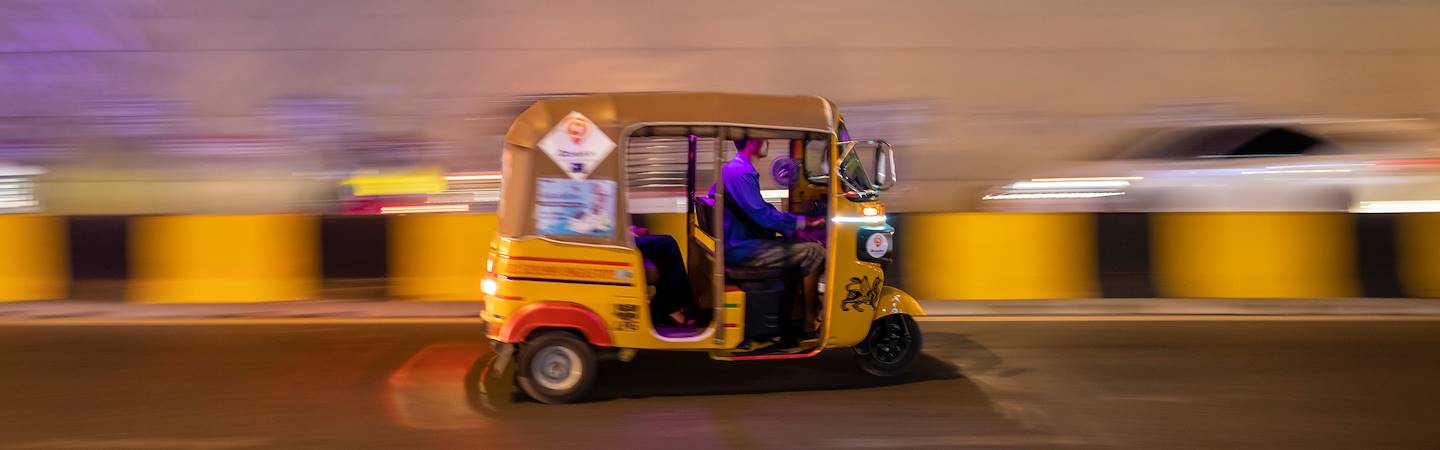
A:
{"x": 993, "y": 89}
{"x": 938, "y": 256}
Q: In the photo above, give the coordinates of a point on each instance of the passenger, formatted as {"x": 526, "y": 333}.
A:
{"x": 751, "y": 225}
{"x": 674, "y": 300}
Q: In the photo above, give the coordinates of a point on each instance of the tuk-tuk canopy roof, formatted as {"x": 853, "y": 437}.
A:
{"x": 615, "y": 112}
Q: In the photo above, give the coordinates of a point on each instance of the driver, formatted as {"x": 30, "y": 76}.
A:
{"x": 751, "y": 224}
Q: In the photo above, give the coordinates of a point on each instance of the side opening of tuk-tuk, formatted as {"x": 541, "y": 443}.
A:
{"x": 763, "y": 304}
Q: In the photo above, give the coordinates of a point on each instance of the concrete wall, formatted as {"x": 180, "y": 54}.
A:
{"x": 1009, "y": 86}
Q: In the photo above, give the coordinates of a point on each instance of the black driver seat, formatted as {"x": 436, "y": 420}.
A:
{"x": 704, "y": 212}
{"x": 768, "y": 291}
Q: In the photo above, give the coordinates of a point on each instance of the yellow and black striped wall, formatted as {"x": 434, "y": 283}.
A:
{"x": 982, "y": 256}
{"x": 939, "y": 256}
{"x": 243, "y": 258}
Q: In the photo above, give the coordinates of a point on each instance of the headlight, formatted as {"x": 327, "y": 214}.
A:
{"x": 488, "y": 286}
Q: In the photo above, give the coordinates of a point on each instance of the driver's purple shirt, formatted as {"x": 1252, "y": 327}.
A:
{"x": 757, "y": 220}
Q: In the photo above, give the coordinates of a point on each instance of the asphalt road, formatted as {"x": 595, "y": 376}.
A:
{"x": 1026, "y": 384}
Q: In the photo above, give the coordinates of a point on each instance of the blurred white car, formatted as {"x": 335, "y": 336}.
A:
{"x": 1335, "y": 165}
{"x": 17, "y": 188}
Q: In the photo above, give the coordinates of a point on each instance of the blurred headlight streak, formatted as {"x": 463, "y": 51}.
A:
{"x": 1082, "y": 184}
{"x": 1408, "y": 162}
{"x": 424, "y": 209}
{"x": 1089, "y": 179}
{"x": 1307, "y": 168}
{"x": 1407, "y": 206}
{"x": 481, "y": 177}
{"x": 1051, "y": 195}
{"x": 1264, "y": 172}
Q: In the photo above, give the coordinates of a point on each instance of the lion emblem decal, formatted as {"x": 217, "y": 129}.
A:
{"x": 861, "y": 291}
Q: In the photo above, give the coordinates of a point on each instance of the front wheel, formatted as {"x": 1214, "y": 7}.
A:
{"x": 556, "y": 367}
{"x": 893, "y": 344}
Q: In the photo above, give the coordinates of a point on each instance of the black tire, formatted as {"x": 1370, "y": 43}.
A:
{"x": 556, "y": 367}
{"x": 893, "y": 344}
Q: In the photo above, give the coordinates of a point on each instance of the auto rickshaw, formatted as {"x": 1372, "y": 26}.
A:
{"x": 565, "y": 283}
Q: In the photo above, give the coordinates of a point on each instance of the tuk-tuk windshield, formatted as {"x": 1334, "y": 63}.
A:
{"x": 852, "y": 172}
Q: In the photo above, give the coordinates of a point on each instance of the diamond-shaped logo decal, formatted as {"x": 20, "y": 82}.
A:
{"x": 577, "y": 145}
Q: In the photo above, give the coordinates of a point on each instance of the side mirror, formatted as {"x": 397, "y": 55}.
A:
{"x": 785, "y": 171}
{"x": 884, "y": 167}
{"x": 881, "y": 168}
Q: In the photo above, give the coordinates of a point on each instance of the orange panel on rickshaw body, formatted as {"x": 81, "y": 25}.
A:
{"x": 601, "y": 285}
{"x": 562, "y": 315}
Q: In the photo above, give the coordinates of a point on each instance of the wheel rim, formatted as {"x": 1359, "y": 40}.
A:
{"x": 891, "y": 342}
{"x": 556, "y": 368}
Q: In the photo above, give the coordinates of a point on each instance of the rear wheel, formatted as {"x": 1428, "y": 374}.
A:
{"x": 893, "y": 344}
{"x": 556, "y": 367}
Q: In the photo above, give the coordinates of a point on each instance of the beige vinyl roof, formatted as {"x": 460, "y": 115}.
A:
{"x": 613, "y": 113}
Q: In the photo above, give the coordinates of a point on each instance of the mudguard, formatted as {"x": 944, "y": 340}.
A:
{"x": 895, "y": 301}
{"x": 554, "y": 315}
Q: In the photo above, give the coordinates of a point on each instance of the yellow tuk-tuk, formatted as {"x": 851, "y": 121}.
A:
{"x": 565, "y": 282}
